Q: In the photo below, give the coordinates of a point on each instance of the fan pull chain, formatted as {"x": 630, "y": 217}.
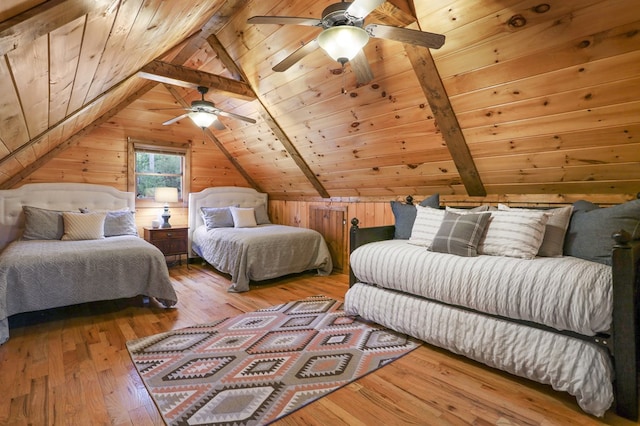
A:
{"x": 344, "y": 90}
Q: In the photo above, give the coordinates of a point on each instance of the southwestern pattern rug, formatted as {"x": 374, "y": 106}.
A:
{"x": 260, "y": 366}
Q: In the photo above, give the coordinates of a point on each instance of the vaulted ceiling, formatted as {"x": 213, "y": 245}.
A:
{"x": 524, "y": 97}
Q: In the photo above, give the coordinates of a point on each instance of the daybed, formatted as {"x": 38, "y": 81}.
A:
{"x": 229, "y": 228}
{"x": 567, "y": 319}
{"x": 51, "y": 256}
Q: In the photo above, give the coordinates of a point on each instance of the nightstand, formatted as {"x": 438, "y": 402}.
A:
{"x": 170, "y": 241}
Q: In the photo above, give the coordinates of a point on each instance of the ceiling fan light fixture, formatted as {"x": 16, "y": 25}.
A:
{"x": 342, "y": 43}
{"x": 202, "y": 118}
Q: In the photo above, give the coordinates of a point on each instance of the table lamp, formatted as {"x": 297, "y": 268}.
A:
{"x": 166, "y": 196}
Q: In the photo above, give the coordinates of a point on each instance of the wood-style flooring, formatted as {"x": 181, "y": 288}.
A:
{"x": 70, "y": 366}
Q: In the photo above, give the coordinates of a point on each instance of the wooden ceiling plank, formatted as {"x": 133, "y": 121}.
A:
{"x": 13, "y": 128}
{"x": 30, "y": 25}
{"x": 177, "y": 75}
{"x": 271, "y": 122}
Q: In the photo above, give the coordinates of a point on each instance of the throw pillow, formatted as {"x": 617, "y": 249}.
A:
{"x": 477, "y": 209}
{"x": 42, "y": 224}
{"x": 555, "y": 229}
{"x": 405, "y": 215}
{"x": 514, "y": 234}
{"x": 460, "y": 233}
{"x": 120, "y": 222}
{"x": 591, "y": 226}
{"x": 262, "y": 216}
{"x": 217, "y": 217}
{"x": 426, "y": 225}
{"x": 243, "y": 217}
{"x": 83, "y": 226}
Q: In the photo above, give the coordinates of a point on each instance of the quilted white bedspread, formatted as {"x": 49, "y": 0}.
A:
{"x": 565, "y": 293}
{"x": 567, "y": 364}
{"x": 262, "y": 252}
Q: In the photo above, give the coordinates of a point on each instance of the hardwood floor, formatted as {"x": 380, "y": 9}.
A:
{"x": 70, "y": 366}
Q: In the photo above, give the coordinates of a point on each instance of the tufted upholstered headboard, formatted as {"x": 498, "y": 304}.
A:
{"x": 221, "y": 196}
{"x": 56, "y": 196}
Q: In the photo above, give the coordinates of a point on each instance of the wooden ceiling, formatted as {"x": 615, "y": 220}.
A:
{"x": 526, "y": 97}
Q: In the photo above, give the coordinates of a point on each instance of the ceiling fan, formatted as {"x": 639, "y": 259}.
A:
{"x": 344, "y": 35}
{"x": 204, "y": 113}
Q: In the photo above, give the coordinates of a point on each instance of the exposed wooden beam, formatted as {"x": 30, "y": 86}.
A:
{"x": 178, "y": 75}
{"x": 216, "y": 141}
{"x": 73, "y": 140}
{"x": 44, "y": 18}
{"x": 268, "y": 118}
{"x": 401, "y": 12}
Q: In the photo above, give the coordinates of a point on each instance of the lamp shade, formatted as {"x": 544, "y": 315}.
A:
{"x": 166, "y": 195}
{"x": 344, "y": 42}
{"x": 202, "y": 118}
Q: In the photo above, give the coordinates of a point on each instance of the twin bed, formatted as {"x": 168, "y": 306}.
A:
{"x": 250, "y": 251}
{"x": 49, "y": 272}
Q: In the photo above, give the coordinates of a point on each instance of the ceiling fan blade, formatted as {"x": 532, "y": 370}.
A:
{"x": 218, "y": 124}
{"x": 173, "y": 120}
{"x": 236, "y": 116}
{"x": 169, "y": 109}
{"x": 303, "y": 51}
{"x": 359, "y": 9}
{"x": 361, "y": 68}
{"x": 406, "y": 35}
{"x": 285, "y": 20}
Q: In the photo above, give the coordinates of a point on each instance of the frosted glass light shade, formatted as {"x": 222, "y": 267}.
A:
{"x": 202, "y": 119}
{"x": 344, "y": 42}
{"x": 166, "y": 195}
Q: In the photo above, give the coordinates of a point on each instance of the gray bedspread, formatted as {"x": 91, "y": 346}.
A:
{"x": 36, "y": 275}
{"x": 262, "y": 252}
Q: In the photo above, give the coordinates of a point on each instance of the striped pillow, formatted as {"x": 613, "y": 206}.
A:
{"x": 83, "y": 226}
{"x": 426, "y": 225}
{"x": 514, "y": 234}
{"x": 460, "y": 233}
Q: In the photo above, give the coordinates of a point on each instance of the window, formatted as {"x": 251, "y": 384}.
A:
{"x": 154, "y": 165}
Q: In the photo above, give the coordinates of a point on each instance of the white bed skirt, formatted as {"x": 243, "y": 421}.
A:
{"x": 567, "y": 364}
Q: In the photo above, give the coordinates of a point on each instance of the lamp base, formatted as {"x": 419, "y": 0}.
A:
{"x": 165, "y": 218}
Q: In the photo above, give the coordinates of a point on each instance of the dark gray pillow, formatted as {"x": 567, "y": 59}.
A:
{"x": 262, "y": 217}
{"x": 217, "y": 217}
{"x": 591, "y": 227}
{"x": 42, "y": 224}
{"x": 120, "y": 222}
{"x": 460, "y": 233}
{"x": 405, "y": 214}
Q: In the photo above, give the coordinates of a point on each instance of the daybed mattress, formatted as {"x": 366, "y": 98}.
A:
{"x": 262, "y": 252}
{"x": 567, "y": 364}
{"x": 565, "y": 293}
{"x": 38, "y": 274}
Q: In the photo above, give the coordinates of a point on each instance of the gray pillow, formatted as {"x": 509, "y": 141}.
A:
{"x": 591, "y": 227}
{"x": 460, "y": 234}
{"x": 217, "y": 217}
{"x": 405, "y": 214}
{"x": 120, "y": 222}
{"x": 262, "y": 217}
{"x": 42, "y": 224}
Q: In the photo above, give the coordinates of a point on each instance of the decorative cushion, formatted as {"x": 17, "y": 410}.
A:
{"x": 262, "y": 216}
{"x": 120, "y": 222}
{"x": 243, "y": 217}
{"x": 426, "y": 225}
{"x": 42, "y": 224}
{"x": 513, "y": 234}
{"x": 591, "y": 226}
{"x": 405, "y": 214}
{"x": 83, "y": 226}
{"x": 477, "y": 209}
{"x": 460, "y": 233}
{"x": 217, "y": 217}
{"x": 554, "y": 231}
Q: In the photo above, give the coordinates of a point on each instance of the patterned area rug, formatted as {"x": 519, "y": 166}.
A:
{"x": 257, "y": 367}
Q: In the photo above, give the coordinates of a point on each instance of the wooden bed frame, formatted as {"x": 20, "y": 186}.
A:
{"x": 622, "y": 342}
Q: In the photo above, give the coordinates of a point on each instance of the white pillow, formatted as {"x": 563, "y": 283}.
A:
{"x": 555, "y": 229}
{"x": 243, "y": 217}
{"x": 83, "y": 226}
{"x": 513, "y": 233}
{"x": 426, "y": 225}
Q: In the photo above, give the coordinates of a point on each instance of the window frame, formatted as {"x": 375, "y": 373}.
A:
{"x": 161, "y": 147}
